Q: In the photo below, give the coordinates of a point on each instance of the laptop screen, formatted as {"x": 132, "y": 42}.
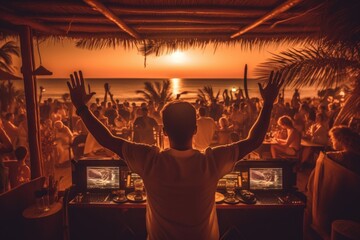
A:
{"x": 266, "y": 178}
{"x": 102, "y": 177}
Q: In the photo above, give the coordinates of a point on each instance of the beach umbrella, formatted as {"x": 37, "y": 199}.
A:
{"x": 8, "y": 76}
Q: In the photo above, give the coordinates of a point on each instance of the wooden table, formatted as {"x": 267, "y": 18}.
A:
{"x": 44, "y": 225}
{"x": 306, "y": 145}
{"x": 267, "y": 218}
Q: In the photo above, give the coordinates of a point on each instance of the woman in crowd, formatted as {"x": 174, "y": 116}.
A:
{"x": 331, "y": 200}
{"x": 318, "y": 132}
{"x": 346, "y": 143}
{"x": 289, "y": 146}
{"x": 224, "y": 131}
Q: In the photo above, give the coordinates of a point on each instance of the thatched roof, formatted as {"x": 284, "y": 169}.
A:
{"x": 174, "y": 23}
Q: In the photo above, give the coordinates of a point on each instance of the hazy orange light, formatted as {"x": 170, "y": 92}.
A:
{"x": 178, "y": 57}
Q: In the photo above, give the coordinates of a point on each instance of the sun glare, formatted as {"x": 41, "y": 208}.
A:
{"x": 178, "y": 57}
{"x": 175, "y": 82}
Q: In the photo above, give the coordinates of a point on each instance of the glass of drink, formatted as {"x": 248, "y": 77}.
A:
{"x": 230, "y": 190}
{"x": 139, "y": 187}
{"x": 121, "y": 194}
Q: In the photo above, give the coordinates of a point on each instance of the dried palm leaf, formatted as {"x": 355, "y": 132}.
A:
{"x": 321, "y": 66}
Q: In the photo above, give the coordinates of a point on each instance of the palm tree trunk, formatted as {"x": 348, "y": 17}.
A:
{"x": 245, "y": 83}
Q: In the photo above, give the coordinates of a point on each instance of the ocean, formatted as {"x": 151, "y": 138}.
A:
{"x": 124, "y": 88}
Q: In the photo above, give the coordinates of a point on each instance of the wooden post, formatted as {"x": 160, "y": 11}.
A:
{"x": 27, "y": 53}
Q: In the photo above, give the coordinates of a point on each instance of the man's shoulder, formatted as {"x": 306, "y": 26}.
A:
{"x": 140, "y": 146}
{"x": 205, "y": 119}
{"x": 139, "y": 119}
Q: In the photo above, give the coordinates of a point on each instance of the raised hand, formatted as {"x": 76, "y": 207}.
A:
{"x": 272, "y": 88}
{"x": 78, "y": 95}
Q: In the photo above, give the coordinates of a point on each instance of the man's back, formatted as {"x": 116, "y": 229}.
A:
{"x": 186, "y": 189}
{"x": 180, "y": 188}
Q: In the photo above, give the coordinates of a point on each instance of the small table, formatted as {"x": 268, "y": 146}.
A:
{"x": 44, "y": 225}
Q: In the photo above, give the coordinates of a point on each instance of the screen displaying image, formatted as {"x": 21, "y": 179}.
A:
{"x": 266, "y": 178}
{"x": 102, "y": 177}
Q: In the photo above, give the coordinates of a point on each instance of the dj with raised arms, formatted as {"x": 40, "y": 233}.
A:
{"x": 180, "y": 181}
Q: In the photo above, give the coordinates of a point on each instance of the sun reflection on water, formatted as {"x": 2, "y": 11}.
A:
{"x": 176, "y": 84}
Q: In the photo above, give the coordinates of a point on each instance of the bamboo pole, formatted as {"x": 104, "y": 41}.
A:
{"x": 27, "y": 54}
{"x": 98, "y": 6}
{"x": 18, "y": 20}
{"x": 208, "y": 10}
{"x": 205, "y": 36}
{"x": 280, "y": 9}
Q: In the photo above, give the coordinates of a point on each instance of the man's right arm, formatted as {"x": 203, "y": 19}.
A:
{"x": 258, "y": 131}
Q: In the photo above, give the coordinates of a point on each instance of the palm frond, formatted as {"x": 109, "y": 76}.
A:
{"x": 159, "y": 92}
{"x": 5, "y": 57}
{"x": 149, "y": 47}
{"x": 11, "y": 48}
{"x": 158, "y": 86}
{"x": 313, "y": 66}
{"x": 150, "y": 88}
{"x": 165, "y": 91}
{"x": 6, "y": 53}
{"x": 99, "y": 43}
{"x": 5, "y": 67}
{"x": 146, "y": 96}
{"x": 201, "y": 95}
{"x": 351, "y": 107}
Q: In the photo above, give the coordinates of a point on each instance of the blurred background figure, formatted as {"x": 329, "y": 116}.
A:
{"x": 23, "y": 171}
{"x": 224, "y": 131}
{"x": 205, "y": 130}
{"x": 144, "y": 127}
{"x": 63, "y": 139}
{"x": 5, "y": 147}
{"x": 291, "y": 144}
{"x": 346, "y": 143}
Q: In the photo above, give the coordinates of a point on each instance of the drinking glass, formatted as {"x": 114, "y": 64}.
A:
{"x": 139, "y": 186}
{"x": 230, "y": 190}
{"x": 121, "y": 194}
{"x": 46, "y": 203}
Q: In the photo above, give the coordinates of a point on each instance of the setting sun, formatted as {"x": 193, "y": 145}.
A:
{"x": 178, "y": 57}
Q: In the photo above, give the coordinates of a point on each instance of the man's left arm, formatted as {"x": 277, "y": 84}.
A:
{"x": 80, "y": 98}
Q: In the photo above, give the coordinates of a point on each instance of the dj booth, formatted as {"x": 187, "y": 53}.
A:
{"x": 276, "y": 214}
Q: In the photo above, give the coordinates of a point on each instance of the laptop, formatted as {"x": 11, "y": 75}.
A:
{"x": 266, "y": 178}
{"x": 102, "y": 178}
{"x": 96, "y": 179}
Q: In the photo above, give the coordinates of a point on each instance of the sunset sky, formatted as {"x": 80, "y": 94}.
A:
{"x": 227, "y": 62}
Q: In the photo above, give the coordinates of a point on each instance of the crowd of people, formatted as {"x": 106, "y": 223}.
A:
{"x": 219, "y": 121}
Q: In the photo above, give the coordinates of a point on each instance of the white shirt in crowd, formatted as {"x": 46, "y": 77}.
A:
{"x": 205, "y": 133}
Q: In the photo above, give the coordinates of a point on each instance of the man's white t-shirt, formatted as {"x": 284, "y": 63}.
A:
{"x": 180, "y": 187}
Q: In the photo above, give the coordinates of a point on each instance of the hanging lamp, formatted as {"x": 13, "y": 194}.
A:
{"x": 41, "y": 71}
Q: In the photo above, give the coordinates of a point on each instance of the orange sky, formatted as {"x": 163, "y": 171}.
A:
{"x": 227, "y": 62}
